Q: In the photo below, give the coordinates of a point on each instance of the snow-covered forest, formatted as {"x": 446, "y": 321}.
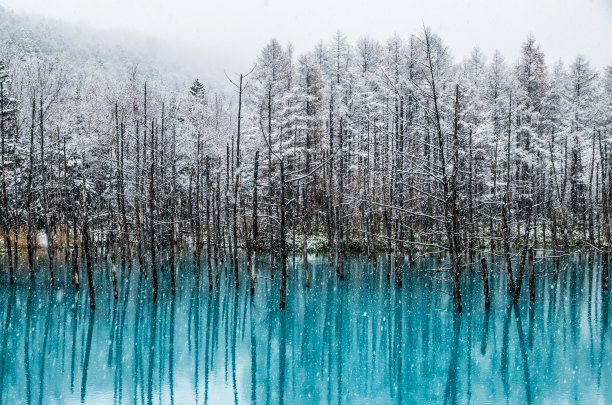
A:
{"x": 395, "y": 147}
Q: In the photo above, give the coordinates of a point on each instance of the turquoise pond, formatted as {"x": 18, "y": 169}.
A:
{"x": 353, "y": 341}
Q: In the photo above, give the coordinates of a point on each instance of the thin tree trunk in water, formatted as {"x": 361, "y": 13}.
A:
{"x": 152, "y": 214}
{"x": 118, "y": 193}
{"x": 519, "y": 278}
{"x": 208, "y": 251}
{"x": 172, "y": 254}
{"x": 218, "y": 240}
{"x": 449, "y": 185}
{"x": 114, "y": 268}
{"x": 399, "y": 190}
{"x": 29, "y": 236}
{"x": 75, "y": 254}
{"x": 373, "y": 240}
{"x": 339, "y": 211}
{"x": 389, "y": 250}
{"x": 235, "y": 231}
{"x": 339, "y": 247}
{"x": 86, "y": 244}
{"x": 306, "y": 224}
{"x": 305, "y": 256}
{"x": 505, "y": 207}
{"x": 125, "y": 246}
{"x": 604, "y": 191}
{"x": 554, "y": 244}
{"x": 5, "y": 204}
{"x": 591, "y": 202}
{"x": 139, "y": 186}
{"x": 485, "y": 282}
{"x": 15, "y": 241}
{"x": 470, "y": 240}
{"x": 44, "y": 196}
{"x": 604, "y": 203}
{"x": 283, "y": 248}
{"x": 329, "y": 216}
{"x": 197, "y": 230}
{"x": 531, "y": 276}
{"x": 174, "y": 219}
{"x": 604, "y": 264}
{"x": 254, "y": 219}
{"x": 454, "y": 249}
{"x": 270, "y": 188}
{"x": 237, "y": 186}
{"x": 247, "y": 237}
{"x": 64, "y": 208}
{"x": 305, "y": 233}
{"x": 15, "y": 218}
{"x": 228, "y": 245}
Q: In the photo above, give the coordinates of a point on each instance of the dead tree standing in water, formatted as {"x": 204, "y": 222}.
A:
{"x": 86, "y": 242}
{"x": 45, "y": 199}
{"x": 506, "y": 208}
{"x": 485, "y": 282}
{"x": 254, "y": 220}
{"x": 521, "y": 272}
{"x": 28, "y": 199}
{"x": 531, "y": 276}
{"x": 208, "y": 235}
{"x": 5, "y": 202}
{"x": 152, "y": 213}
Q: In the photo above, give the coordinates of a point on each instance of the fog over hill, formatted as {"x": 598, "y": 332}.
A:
{"x": 113, "y": 53}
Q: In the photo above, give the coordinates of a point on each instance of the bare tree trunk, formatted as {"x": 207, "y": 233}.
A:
{"x": 208, "y": 235}
{"x": 30, "y": 225}
{"x": 470, "y": 192}
{"x": 152, "y": 218}
{"x": 305, "y": 232}
{"x": 485, "y": 282}
{"x": 139, "y": 192}
{"x": 197, "y": 230}
{"x": 75, "y": 253}
{"x": 505, "y": 207}
{"x": 449, "y": 184}
{"x": 125, "y": 240}
{"x": 44, "y": 196}
{"x": 330, "y": 192}
{"x": 531, "y": 276}
{"x": 519, "y": 278}
{"x": 389, "y": 249}
{"x": 327, "y": 184}
{"x": 173, "y": 209}
{"x": 5, "y": 203}
{"x": 86, "y": 244}
{"x": 339, "y": 211}
{"x": 604, "y": 264}
{"x": 254, "y": 220}
{"x": 218, "y": 239}
{"x": 236, "y": 187}
{"x": 113, "y": 254}
{"x": 454, "y": 249}
{"x": 283, "y": 247}
{"x": 235, "y": 231}
{"x": 228, "y": 246}
{"x": 604, "y": 191}
{"x": 591, "y": 202}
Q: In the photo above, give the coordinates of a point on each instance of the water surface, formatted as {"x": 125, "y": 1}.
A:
{"x": 360, "y": 340}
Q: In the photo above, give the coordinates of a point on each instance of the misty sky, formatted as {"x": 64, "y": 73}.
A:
{"x": 232, "y": 32}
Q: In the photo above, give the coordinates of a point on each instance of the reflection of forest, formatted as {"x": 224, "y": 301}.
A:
{"x": 339, "y": 342}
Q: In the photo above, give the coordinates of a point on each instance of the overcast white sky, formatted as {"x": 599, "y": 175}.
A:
{"x": 232, "y": 32}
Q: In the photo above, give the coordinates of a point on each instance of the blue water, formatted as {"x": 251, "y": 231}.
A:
{"x": 354, "y": 341}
